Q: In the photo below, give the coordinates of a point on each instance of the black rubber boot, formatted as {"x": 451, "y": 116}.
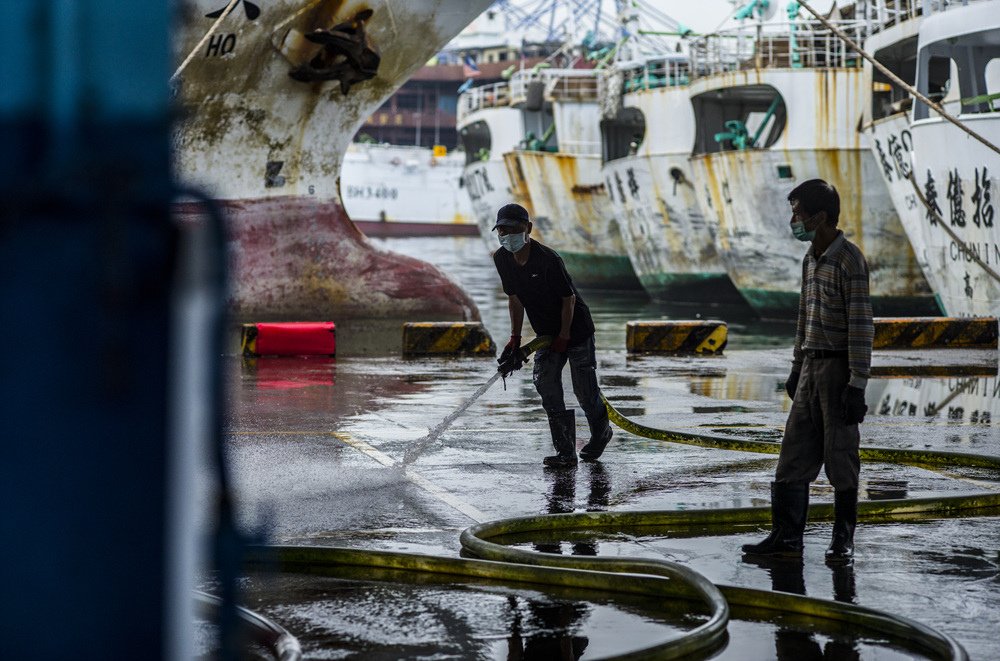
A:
{"x": 789, "y": 507}
{"x": 563, "y": 428}
{"x": 600, "y": 435}
{"x": 845, "y": 519}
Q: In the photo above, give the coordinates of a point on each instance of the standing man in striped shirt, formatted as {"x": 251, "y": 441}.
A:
{"x": 830, "y": 369}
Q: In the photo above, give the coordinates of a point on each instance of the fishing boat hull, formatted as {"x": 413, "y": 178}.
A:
{"x": 301, "y": 258}
{"x": 269, "y": 109}
{"x": 745, "y": 193}
{"x": 401, "y": 190}
{"x": 670, "y": 246}
{"x": 956, "y": 174}
{"x": 961, "y": 177}
{"x": 486, "y": 134}
{"x": 574, "y": 216}
{"x": 646, "y": 144}
{"x": 762, "y": 257}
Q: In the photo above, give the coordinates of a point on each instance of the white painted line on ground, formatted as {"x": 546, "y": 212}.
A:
{"x": 440, "y": 493}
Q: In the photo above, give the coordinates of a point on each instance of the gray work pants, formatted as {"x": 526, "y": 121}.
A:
{"x": 816, "y": 434}
{"x": 547, "y": 375}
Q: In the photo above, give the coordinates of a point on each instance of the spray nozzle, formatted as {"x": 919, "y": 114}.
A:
{"x": 512, "y": 359}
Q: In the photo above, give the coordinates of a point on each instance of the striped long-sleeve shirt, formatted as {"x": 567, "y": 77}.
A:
{"x": 835, "y": 311}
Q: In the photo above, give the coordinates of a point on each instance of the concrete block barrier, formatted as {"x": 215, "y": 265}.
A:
{"x": 935, "y": 333}
{"x": 447, "y": 339}
{"x": 676, "y": 337}
{"x": 291, "y": 338}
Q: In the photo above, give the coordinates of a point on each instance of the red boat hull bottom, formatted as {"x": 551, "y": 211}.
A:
{"x": 302, "y": 259}
{"x": 380, "y": 229}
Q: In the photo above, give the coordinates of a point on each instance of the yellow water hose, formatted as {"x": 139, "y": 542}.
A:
{"x": 759, "y": 604}
{"x": 670, "y": 580}
{"x": 476, "y": 539}
{"x": 652, "y": 578}
{"x": 925, "y": 458}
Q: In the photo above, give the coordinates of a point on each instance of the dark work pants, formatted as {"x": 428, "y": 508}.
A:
{"x": 547, "y": 375}
{"x": 816, "y": 434}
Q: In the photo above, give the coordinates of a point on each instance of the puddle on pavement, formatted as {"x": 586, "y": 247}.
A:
{"x": 385, "y": 614}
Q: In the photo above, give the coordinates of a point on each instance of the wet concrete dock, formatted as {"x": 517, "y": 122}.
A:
{"x": 313, "y": 442}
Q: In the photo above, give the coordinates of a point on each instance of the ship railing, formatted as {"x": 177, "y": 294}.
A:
{"x": 496, "y": 95}
{"x": 654, "y": 74}
{"x": 797, "y": 44}
{"x": 556, "y": 85}
{"x": 882, "y": 14}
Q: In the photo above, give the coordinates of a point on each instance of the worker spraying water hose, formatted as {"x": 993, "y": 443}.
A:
{"x": 536, "y": 282}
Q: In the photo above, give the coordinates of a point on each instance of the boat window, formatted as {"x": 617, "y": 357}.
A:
{"x": 959, "y": 73}
{"x": 935, "y": 82}
{"x": 622, "y": 135}
{"x": 888, "y": 98}
{"x": 735, "y": 118}
{"x": 476, "y": 142}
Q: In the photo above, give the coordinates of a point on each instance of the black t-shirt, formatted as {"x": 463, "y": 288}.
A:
{"x": 540, "y": 285}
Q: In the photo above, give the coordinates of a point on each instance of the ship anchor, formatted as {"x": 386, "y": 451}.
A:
{"x": 346, "y": 54}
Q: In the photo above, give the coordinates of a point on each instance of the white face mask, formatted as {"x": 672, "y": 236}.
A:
{"x": 513, "y": 242}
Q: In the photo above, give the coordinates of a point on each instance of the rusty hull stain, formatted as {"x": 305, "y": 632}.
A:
{"x": 749, "y": 202}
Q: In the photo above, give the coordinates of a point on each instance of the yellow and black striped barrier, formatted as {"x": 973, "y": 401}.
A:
{"x": 459, "y": 338}
{"x": 935, "y": 333}
{"x": 676, "y": 337}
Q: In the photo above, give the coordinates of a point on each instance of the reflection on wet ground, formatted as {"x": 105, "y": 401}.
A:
{"x": 306, "y": 435}
{"x": 397, "y": 615}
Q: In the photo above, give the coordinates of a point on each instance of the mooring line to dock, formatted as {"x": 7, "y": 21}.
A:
{"x": 194, "y": 51}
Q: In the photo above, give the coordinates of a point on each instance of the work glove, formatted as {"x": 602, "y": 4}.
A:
{"x": 511, "y": 358}
{"x": 792, "y": 384}
{"x": 855, "y": 408}
{"x": 559, "y": 344}
{"x": 513, "y": 343}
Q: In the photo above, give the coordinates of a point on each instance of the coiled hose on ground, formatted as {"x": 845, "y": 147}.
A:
{"x": 671, "y": 580}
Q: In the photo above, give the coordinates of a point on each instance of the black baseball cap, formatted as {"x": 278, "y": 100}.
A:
{"x": 512, "y": 215}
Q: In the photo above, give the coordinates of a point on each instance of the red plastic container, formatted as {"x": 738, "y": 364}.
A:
{"x": 297, "y": 338}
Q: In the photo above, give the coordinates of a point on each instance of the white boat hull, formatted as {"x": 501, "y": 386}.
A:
{"x": 573, "y": 213}
{"x": 745, "y": 193}
{"x": 670, "y": 245}
{"x": 270, "y": 147}
{"x": 962, "y": 177}
{"x": 392, "y": 190}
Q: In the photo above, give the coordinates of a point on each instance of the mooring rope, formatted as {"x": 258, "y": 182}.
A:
{"x": 225, "y": 12}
